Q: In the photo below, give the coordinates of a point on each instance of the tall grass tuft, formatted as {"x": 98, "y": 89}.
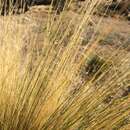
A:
{"x": 59, "y": 83}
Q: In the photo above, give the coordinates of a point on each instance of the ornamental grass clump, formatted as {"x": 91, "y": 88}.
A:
{"x": 41, "y": 82}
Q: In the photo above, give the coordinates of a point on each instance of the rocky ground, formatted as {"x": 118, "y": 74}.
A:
{"x": 118, "y": 26}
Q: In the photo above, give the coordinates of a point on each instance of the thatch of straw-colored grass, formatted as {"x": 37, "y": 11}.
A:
{"x": 43, "y": 85}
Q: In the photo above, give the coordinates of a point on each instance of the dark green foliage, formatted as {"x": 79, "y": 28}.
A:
{"x": 95, "y": 67}
{"x": 13, "y": 6}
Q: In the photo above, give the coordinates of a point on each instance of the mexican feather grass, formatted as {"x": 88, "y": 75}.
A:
{"x": 47, "y": 87}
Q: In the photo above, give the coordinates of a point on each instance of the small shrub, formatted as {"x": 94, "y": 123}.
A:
{"x": 95, "y": 66}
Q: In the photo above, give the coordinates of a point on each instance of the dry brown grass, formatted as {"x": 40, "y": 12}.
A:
{"x": 41, "y": 81}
